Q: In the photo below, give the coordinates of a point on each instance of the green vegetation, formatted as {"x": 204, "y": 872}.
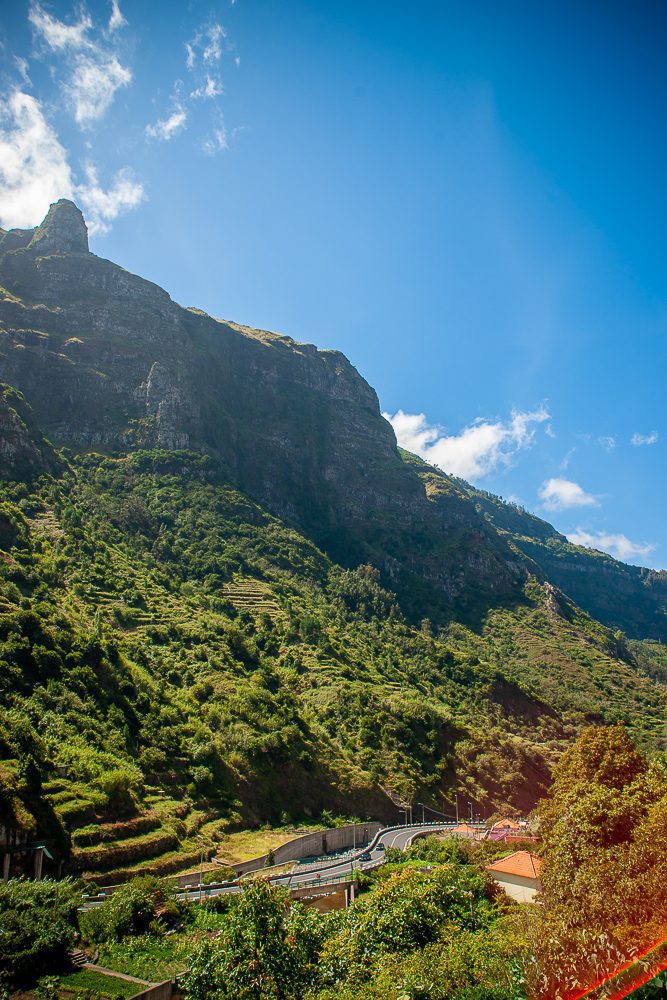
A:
{"x": 96, "y": 984}
{"x": 38, "y": 922}
{"x": 605, "y": 861}
{"x": 439, "y": 923}
{"x": 132, "y": 670}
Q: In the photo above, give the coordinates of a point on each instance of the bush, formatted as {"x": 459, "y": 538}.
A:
{"x": 131, "y": 909}
{"x": 38, "y": 921}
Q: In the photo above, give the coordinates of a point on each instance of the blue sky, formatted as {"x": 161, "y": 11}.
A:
{"x": 467, "y": 199}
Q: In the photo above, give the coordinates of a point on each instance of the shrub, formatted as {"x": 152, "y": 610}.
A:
{"x": 38, "y": 922}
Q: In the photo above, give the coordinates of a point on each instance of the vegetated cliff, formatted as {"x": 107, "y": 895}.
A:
{"x": 231, "y": 580}
{"x": 630, "y": 598}
{"x": 109, "y": 362}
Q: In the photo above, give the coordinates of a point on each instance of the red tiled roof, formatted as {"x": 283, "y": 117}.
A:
{"x": 506, "y": 824}
{"x": 520, "y": 863}
{"x": 464, "y": 828}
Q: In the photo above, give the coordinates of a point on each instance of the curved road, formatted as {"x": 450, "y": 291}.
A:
{"x": 334, "y": 871}
{"x": 327, "y": 872}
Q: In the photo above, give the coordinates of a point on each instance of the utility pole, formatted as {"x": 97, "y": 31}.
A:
{"x": 423, "y": 818}
{"x": 457, "y": 808}
{"x": 470, "y": 804}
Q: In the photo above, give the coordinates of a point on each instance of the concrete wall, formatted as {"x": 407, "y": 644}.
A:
{"x": 162, "y": 991}
{"x": 519, "y": 887}
{"x": 314, "y": 844}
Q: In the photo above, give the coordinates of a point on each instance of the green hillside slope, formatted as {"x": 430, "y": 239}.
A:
{"x": 164, "y": 639}
{"x": 227, "y": 598}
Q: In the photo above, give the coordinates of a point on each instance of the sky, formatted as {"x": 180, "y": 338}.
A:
{"x": 466, "y": 198}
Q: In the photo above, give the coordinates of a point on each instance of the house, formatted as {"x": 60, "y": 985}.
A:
{"x": 505, "y": 828}
{"x": 518, "y": 874}
{"x": 464, "y": 830}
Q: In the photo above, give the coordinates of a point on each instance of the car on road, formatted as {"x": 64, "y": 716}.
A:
{"x": 365, "y": 856}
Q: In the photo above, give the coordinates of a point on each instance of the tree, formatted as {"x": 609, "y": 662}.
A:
{"x": 264, "y": 951}
{"x": 38, "y": 921}
{"x": 604, "y": 876}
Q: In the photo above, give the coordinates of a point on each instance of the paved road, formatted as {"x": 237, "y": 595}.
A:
{"x": 329, "y": 871}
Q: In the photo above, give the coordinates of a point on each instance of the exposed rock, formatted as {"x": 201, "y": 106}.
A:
{"x": 62, "y": 231}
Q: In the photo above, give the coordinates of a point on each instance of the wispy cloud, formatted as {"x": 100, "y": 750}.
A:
{"x": 116, "y": 20}
{"x": 57, "y": 34}
{"x": 561, "y": 494}
{"x": 101, "y": 206}
{"x": 34, "y": 170}
{"x": 641, "y": 439}
{"x": 216, "y": 141}
{"x": 205, "y": 46}
{"x": 93, "y": 85}
{"x": 617, "y": 545}
{"x": 567, "y": 458}
{"x": 93, "y": 71}
{"x": 478, "y": 450}
{"x": 607, "y": 442}
{"x": 166, "y": 128}
{"x": 211, "y": 88}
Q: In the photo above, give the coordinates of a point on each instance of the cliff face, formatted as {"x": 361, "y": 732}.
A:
{"x": 630, "y": 598}
{"x": 110, "y": 363}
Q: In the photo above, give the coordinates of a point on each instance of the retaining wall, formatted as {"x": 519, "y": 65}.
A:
{"x": 162, "y": 991}
{"x": 315, "y": 844}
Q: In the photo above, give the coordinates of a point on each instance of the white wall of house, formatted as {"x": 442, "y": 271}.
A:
{"x": 519, "y": 887}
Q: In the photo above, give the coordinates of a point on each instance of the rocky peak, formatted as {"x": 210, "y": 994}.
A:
{"x": 62, "y": 231}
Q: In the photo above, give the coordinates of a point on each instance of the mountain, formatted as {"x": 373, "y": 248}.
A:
{"x": 227, "y": 596}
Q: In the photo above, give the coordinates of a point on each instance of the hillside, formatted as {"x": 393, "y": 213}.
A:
{"x": 227, "y": 598}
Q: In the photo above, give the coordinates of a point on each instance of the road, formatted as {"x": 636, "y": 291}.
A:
{"x": 330, "y": 872}
{"x": 327, "y": 872}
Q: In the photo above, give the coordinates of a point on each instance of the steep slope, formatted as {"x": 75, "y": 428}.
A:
{"x": 168, "y": 645}
{"x": 109, "y": 362}
{"x": 228, "y": 596}
{"x": 630, "y": 598}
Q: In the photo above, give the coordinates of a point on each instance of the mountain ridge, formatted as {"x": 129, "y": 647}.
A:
{"x": 225, "y": 591}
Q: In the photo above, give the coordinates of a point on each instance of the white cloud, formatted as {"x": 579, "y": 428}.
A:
{"x": 206, "y": 43}
{"x": 57, "y": 34}
{"x": 618, "y": 545}
{"x": 34, "y": 170}
{"x": 566, "y": 459}
{"x": 560, "y": 494}
{"x": 478, "y": 450}
{"x": 93, "y": 85}
{"x": 22, "y": 67}
{"x": 116, "y": 19}
{"x": 211, "y": 88}
{"x": 639, "y": 439}
{"x": 94, "y": 72}
{"x": 216, "y": 141}
{"x": 213, "y": 49}
{"x": 549, "y": 431}
{"x": 103, "y": 206}
{"x": 166, "y": 128}
{"x": 607, "y": 442}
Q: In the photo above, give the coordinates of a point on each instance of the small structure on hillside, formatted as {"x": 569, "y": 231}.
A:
{"x": 465, "y": 830}
{"x": 505, "y": 828}
{"x": 518, "y": 874}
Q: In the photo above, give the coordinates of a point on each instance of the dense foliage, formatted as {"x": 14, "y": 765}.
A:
{"x": 37, "y": 926}
{"x": 159, "y": 631}
{"x": 605, "y": 852}
{"x": 419, "y": 933}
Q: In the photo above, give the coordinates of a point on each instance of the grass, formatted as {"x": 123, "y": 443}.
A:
{"x": 248, "y": 844}
{"x": 101, "y": 985}
{"x": 157, "y": 959}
